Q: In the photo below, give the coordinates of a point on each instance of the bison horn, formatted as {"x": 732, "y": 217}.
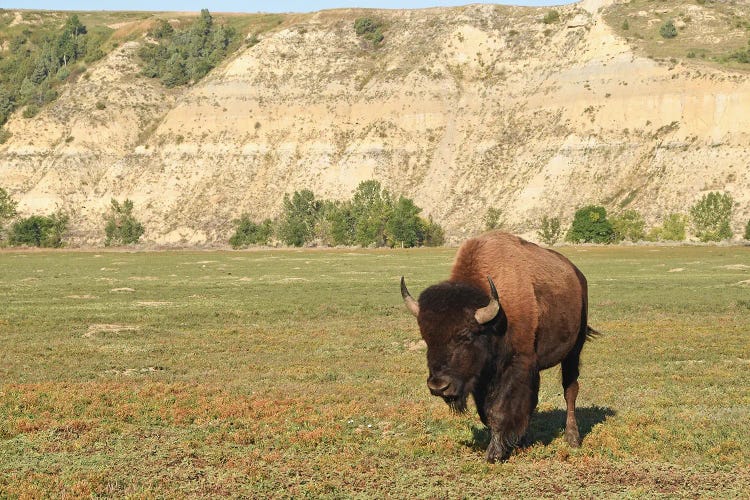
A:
{"x": 411, "y": 304}
{"x": 488, "y": 313}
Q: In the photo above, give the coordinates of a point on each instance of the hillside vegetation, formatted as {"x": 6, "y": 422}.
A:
{"x": 523, "y": 113}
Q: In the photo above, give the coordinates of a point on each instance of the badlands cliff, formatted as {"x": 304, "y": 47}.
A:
{"x": 461, "y": 109}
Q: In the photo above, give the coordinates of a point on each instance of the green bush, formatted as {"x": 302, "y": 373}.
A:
{"x": 121, "y": 226}
{"x": 493, "y": 219}
{"x": 39, "y": 231}
{"x": 369, "y": 29}
{"x": 549, "y": 231}
{"x": 668, "y": 30}
{"x": 551, "y": 17}
{"x": 248, "y": 232}
{"x": 629, "y": 225}
{"x": 747, "y": 231}
{"x": 711, "y": 217}
{"x": 672, "y": 229}
{"x": 590, "y": 225}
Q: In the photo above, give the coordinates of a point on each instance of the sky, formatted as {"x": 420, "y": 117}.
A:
{"x": 248, "y": 6}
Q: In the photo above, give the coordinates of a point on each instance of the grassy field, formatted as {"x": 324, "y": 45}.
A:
{"x": 299, "y": 373}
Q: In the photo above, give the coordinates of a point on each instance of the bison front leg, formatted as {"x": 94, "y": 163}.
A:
{"x": 509, "y": 407}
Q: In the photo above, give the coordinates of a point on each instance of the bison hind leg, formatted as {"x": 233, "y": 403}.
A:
{"x": 570, "y": 388}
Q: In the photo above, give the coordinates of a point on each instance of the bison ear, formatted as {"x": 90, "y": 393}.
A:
{"x": 486, "y": 314}
{"x": 411, "y": 304}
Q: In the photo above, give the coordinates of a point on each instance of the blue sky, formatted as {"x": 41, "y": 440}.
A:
{"x": 251, "y": 6}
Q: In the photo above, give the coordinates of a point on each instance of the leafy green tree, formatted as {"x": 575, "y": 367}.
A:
{"x": 371, "y": 208}
{"x": 711, "y": 217}
{"x": 122, "y": 228}
{"x": 180, "y": 57}
{"x": 404, "y": 226}
{"x": 248, "y": 232}
{"x": 434, "y": 234}
{"x": 549, "y": 231}
{"x": 747, "y": 230}
{"x": 299, "y": 217}
{"x": 7, "y": 209}
{"x": 590, "y": 225}
{"x": 39, "y": 231}
{"x": 629, "y": 225}
{"x": 342, "y": 222}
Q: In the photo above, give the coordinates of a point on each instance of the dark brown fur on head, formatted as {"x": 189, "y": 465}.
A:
{"x": 458, "y": 348}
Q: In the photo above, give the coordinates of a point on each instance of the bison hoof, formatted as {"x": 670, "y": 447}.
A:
{"x": 496, "y": 452}
{"x": 572, "y": 437}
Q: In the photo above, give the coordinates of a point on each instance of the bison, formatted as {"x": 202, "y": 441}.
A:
{"x": 494, "y": 347}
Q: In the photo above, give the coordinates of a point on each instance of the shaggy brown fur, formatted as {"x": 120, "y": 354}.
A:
{"x": 542, "y": 322}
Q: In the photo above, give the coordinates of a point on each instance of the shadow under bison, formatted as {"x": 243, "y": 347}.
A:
{"x": 546, "y": 426}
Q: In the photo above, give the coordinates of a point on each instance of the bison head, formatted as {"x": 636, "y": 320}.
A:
{"x": 457, "y": 324}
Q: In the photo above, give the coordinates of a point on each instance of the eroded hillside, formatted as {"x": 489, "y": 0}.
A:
{"x": 461, "y": 109}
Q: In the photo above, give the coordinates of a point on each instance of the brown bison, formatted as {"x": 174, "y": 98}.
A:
{"x": 493, "y": 348}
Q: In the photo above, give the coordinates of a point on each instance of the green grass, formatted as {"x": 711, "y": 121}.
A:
{"x": 294, "y": 373}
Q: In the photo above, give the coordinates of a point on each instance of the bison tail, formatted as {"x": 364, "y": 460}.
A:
{"x": 591, "y": 334}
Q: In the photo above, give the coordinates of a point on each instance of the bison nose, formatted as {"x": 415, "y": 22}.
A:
{"x": 438, "y": 385}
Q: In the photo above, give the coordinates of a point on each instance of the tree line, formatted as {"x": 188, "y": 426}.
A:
{"x": 374, "y": 217}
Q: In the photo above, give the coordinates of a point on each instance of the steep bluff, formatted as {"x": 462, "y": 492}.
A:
{"x": 461, "y": 109}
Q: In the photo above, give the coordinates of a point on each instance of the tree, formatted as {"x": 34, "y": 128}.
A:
{"x": 298, "y": 219}
{"x": 434, "y": 235}
{"x": 7, "y": 209}
{"x": 342, "y": 222}
{"x": 39, "y": 231}
{"x": 629, "y": 225}
{"x": 747, "y": 230}
{"x": 590, "y": 225}
{"x": 371, "y": 208}
{"x": 122, "y": 228}
{"x": 711, "y": 216}
{"x": 550, "y": 230}
{"x": 404, "y": 226}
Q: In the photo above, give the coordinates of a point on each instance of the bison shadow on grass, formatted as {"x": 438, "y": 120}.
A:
{"x": 546, "y": 426}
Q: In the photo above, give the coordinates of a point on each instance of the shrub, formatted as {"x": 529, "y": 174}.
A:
{"x": 493, "y": 219}
{"x": 747, "y": 230}
{"x": 629, "y": 225}
{"x": 369, "y": 29}
{"x": 625, "y": 25}
{"x": 549, "y": 231}
{"x": 668, "y": 30}
{"x": 121, "y": 227}
{"x": 590, "y": 225}
{"x": 551, "y": 17}
{"x": 39, "y": 231}
{"x": 672, "y": 229}
{"x": 30, "y": 111}
{"x": 248, "y": 232}
{"x": 100, "y": 105}
{"x": 711, "y": 217}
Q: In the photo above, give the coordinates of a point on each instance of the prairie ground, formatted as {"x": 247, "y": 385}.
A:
{"x": 300, "y": 373}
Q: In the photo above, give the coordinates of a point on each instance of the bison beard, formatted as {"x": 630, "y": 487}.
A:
{"x": 493, "y": 348}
